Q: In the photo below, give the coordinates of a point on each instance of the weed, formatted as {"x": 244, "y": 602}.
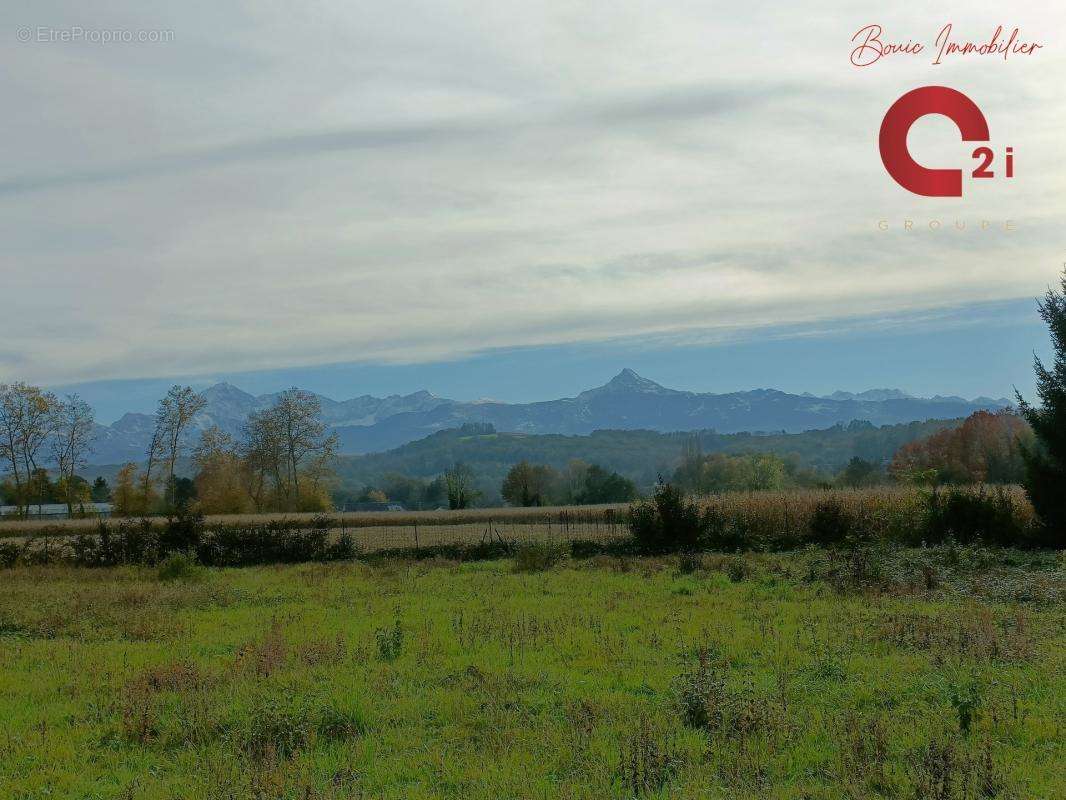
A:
{"x": 738, "y": 569}
{"x": 276, "y": 729}
{"x": 700, "y": 694}
{"x": 267, "y": 655}
{"x": 864, "y": 752}
{"x": 689, "y": 563}
{"x": 648, "y": 760}
{"x": 389, "y": 641}
{"x": 965, "y": 695}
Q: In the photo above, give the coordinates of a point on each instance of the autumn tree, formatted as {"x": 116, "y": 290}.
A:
{"x": 572, "y": 481}
{"x": 1045, "y": 461}
{"x": 28, "y": 419}
{"x": 219, "y": 481}
{"x": 128, "y": 496}
{"x": 987, "y": 448}
{"x": 303, "y": 434}
{"x": 528, "y": 484}
{"x": 71, "y": 445}
{"x": 172, "y": 419}
{"x": 288, "y": 454}
{"x": 690, "y": 473}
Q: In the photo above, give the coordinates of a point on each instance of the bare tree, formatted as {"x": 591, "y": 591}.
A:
{"x": 303, "y": 432}
{"x": 261, "y": 452}
{"x": 27, "y": 420}
{"x": 286, "y": 442}
{"x": 72, "y": 442}
{"x": 176, "y": 411}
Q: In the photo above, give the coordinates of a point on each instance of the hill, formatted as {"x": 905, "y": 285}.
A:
{"x": 370, "y": 424}
{"x": 641, "y": 455}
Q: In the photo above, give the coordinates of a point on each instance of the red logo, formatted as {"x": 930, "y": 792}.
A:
{"x": 957, "y": 107}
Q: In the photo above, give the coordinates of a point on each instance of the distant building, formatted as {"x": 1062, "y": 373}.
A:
{"x": 59, "y": 510}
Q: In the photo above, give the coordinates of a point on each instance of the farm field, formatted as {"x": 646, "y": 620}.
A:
{"x": 795, "y": 501}
{"x": 882, "y": 509}
{"x": 791, "y": 675}
{"x": 10, "y": 526}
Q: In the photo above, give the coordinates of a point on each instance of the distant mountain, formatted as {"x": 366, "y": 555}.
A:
{"x": 875, "y": 395}
{"x": 629, "y": 402}
{"x": 626, "y": 402}
{"x": 228, "y": 407}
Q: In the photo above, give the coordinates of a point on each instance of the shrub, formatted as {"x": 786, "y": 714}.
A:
{"x": 9, "y": 554}
{"x": 967, "y": 516}
{"x": 182, "y": 533}
{"x": 180, "y": 567}
{"x": 738, "y": 569}
{"x": 668, "y": 523}
{"x": 538, "y": 556}
{"x": 832, "y": 524}
{"x": 965, "y": 696}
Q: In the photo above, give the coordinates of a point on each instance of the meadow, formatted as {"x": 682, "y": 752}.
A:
{"x": 877, "y": 672}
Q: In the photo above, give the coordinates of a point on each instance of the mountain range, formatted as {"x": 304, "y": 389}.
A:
{"x": 627, "y": 402}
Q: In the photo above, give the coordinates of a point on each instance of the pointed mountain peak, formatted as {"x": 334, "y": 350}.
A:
{"x": 628, "y": 380}
{"x": 225, "y": 390}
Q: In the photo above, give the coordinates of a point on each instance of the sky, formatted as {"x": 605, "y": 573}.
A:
{"x": 513, "y": 200}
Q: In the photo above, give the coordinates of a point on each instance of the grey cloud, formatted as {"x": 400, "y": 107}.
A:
{"x": 669, "y": 106}
{"x": 276, "y": 189}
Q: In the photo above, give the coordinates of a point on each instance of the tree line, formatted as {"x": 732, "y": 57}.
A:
{"x": 282, "y": 461}
{"x": 36, "y": 428}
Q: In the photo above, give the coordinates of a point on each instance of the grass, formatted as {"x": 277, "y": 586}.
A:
{"x": 902, "y": 673}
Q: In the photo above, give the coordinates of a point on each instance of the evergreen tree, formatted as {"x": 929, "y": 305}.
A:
{"x": 1045, "y": 474}
{"x": 101, "y": 491}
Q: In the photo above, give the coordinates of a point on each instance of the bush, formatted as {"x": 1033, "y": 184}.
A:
{"x": 538, "y": 556}
{"x": 832, "y": 523}
{"x": 669, "y": 523}
{"x": 182, "y": 533}
{"x": 180, "y": 567}
{"x": 966, "y": 516}
{"x": 738, "y": 569}
{"x": 9, "y": 554}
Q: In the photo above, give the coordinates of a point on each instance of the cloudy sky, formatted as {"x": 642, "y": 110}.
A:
{"x": 278, "y": 187}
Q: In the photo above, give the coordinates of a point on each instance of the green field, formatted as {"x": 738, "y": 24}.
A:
{"x": 903, "y": 673}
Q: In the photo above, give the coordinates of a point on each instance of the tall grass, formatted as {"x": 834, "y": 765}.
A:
{"x": 739, "y": 521}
